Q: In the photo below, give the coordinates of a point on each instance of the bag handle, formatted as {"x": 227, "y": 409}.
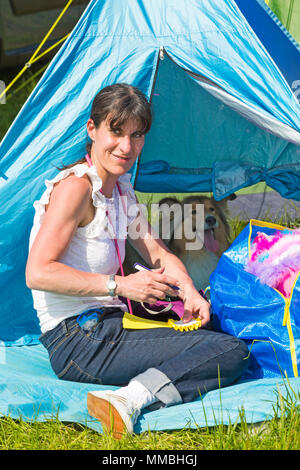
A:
{"x": 154, "y": 312}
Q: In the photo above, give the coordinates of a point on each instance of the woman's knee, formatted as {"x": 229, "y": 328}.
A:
{"x": 236, "y": 360}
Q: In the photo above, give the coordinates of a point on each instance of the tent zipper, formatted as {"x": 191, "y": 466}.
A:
{"x": 160, "y": 56}
{"x": 161, "y": 53}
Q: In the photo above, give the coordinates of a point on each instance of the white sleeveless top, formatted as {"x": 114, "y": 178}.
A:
{"x": 91, "y": 249}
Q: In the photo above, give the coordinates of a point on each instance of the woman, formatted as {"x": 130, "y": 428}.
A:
{"x": 72, "y": 266}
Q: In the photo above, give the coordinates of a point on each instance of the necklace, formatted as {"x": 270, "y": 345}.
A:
{"x": 114, "y": 237}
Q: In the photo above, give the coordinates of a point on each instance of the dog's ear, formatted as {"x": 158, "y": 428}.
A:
{"x": 165, "y": 210}
{"x": 231, "y": 197}
{"x": 168, "y": 200}
{"x": 223, "y": 203}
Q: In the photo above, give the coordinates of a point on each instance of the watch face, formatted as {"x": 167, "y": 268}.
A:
{"x": 111, "y": 284}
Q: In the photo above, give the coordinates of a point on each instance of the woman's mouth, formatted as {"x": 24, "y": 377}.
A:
{"x": 121, "y": 158}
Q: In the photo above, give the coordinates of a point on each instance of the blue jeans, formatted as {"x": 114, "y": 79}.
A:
{"x": 175, "y": 366}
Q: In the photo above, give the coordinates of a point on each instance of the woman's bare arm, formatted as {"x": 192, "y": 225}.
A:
{"x": 68, "y": 205}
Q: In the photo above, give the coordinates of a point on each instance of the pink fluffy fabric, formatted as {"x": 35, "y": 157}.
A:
{"x": 275, "y": 259}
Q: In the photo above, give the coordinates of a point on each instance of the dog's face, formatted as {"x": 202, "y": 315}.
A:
{"x": 216, "y": 228}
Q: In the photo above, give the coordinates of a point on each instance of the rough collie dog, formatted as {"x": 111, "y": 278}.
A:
{"x": 201, "y": 248}
{"x": 201, "y": 251}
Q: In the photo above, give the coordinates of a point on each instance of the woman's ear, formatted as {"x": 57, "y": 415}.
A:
{"x": 90, "y": 126}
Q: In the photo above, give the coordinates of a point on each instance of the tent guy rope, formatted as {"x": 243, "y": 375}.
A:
{"x": 34, "y": 57}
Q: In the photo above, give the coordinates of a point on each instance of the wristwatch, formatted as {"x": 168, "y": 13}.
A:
{"x": 111, "y": 285}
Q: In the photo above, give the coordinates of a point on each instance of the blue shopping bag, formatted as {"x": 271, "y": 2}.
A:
{"x": 242, "y": 306}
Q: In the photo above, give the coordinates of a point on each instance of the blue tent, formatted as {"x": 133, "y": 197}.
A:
{"x": 226, "y": 114}
{"x": 226, "y": 117}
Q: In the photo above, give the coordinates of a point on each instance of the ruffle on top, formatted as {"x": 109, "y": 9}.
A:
{"x": 100, "y": 202}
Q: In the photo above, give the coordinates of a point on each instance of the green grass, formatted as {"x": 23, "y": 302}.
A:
{"x": 237, "y": 225}
{"x": 280, "y": 433}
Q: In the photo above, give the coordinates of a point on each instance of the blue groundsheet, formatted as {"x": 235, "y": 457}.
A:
{"x": 29, "y": 388}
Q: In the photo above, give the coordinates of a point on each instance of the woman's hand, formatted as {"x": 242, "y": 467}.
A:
{"x": 146, "y": 286}
{"x": 195, "y": 306}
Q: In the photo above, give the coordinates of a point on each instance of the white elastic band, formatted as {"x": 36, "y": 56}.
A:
{"x": 154, "y": 312}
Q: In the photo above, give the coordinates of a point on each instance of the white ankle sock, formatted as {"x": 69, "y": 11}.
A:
{"x": 137, "y": 395}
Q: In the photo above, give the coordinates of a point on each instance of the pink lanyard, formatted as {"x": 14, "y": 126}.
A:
{"x": 115, "y": 238}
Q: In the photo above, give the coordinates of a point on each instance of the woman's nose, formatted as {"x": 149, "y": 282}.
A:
{"x": 125, "y": 144}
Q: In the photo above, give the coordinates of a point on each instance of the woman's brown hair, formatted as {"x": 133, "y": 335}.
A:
{"x": 119, "y": 103}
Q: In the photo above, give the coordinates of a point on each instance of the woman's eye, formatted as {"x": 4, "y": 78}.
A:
{"x": 137, "y": 135}
{"x": 116, "y": 131}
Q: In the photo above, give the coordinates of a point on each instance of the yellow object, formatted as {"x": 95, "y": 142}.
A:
{"x": 33, "y": 57}
{"x": 132, "y": 322}
{"x": 49, "y": 49}
{"x": 180, "y": 326}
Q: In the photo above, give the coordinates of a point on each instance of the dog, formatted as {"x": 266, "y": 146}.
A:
{"x": 201, "y": 248}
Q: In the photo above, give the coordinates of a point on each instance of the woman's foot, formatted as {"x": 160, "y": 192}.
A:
{"x": 113, "y": 411}
{"x": 118, "y": 410}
